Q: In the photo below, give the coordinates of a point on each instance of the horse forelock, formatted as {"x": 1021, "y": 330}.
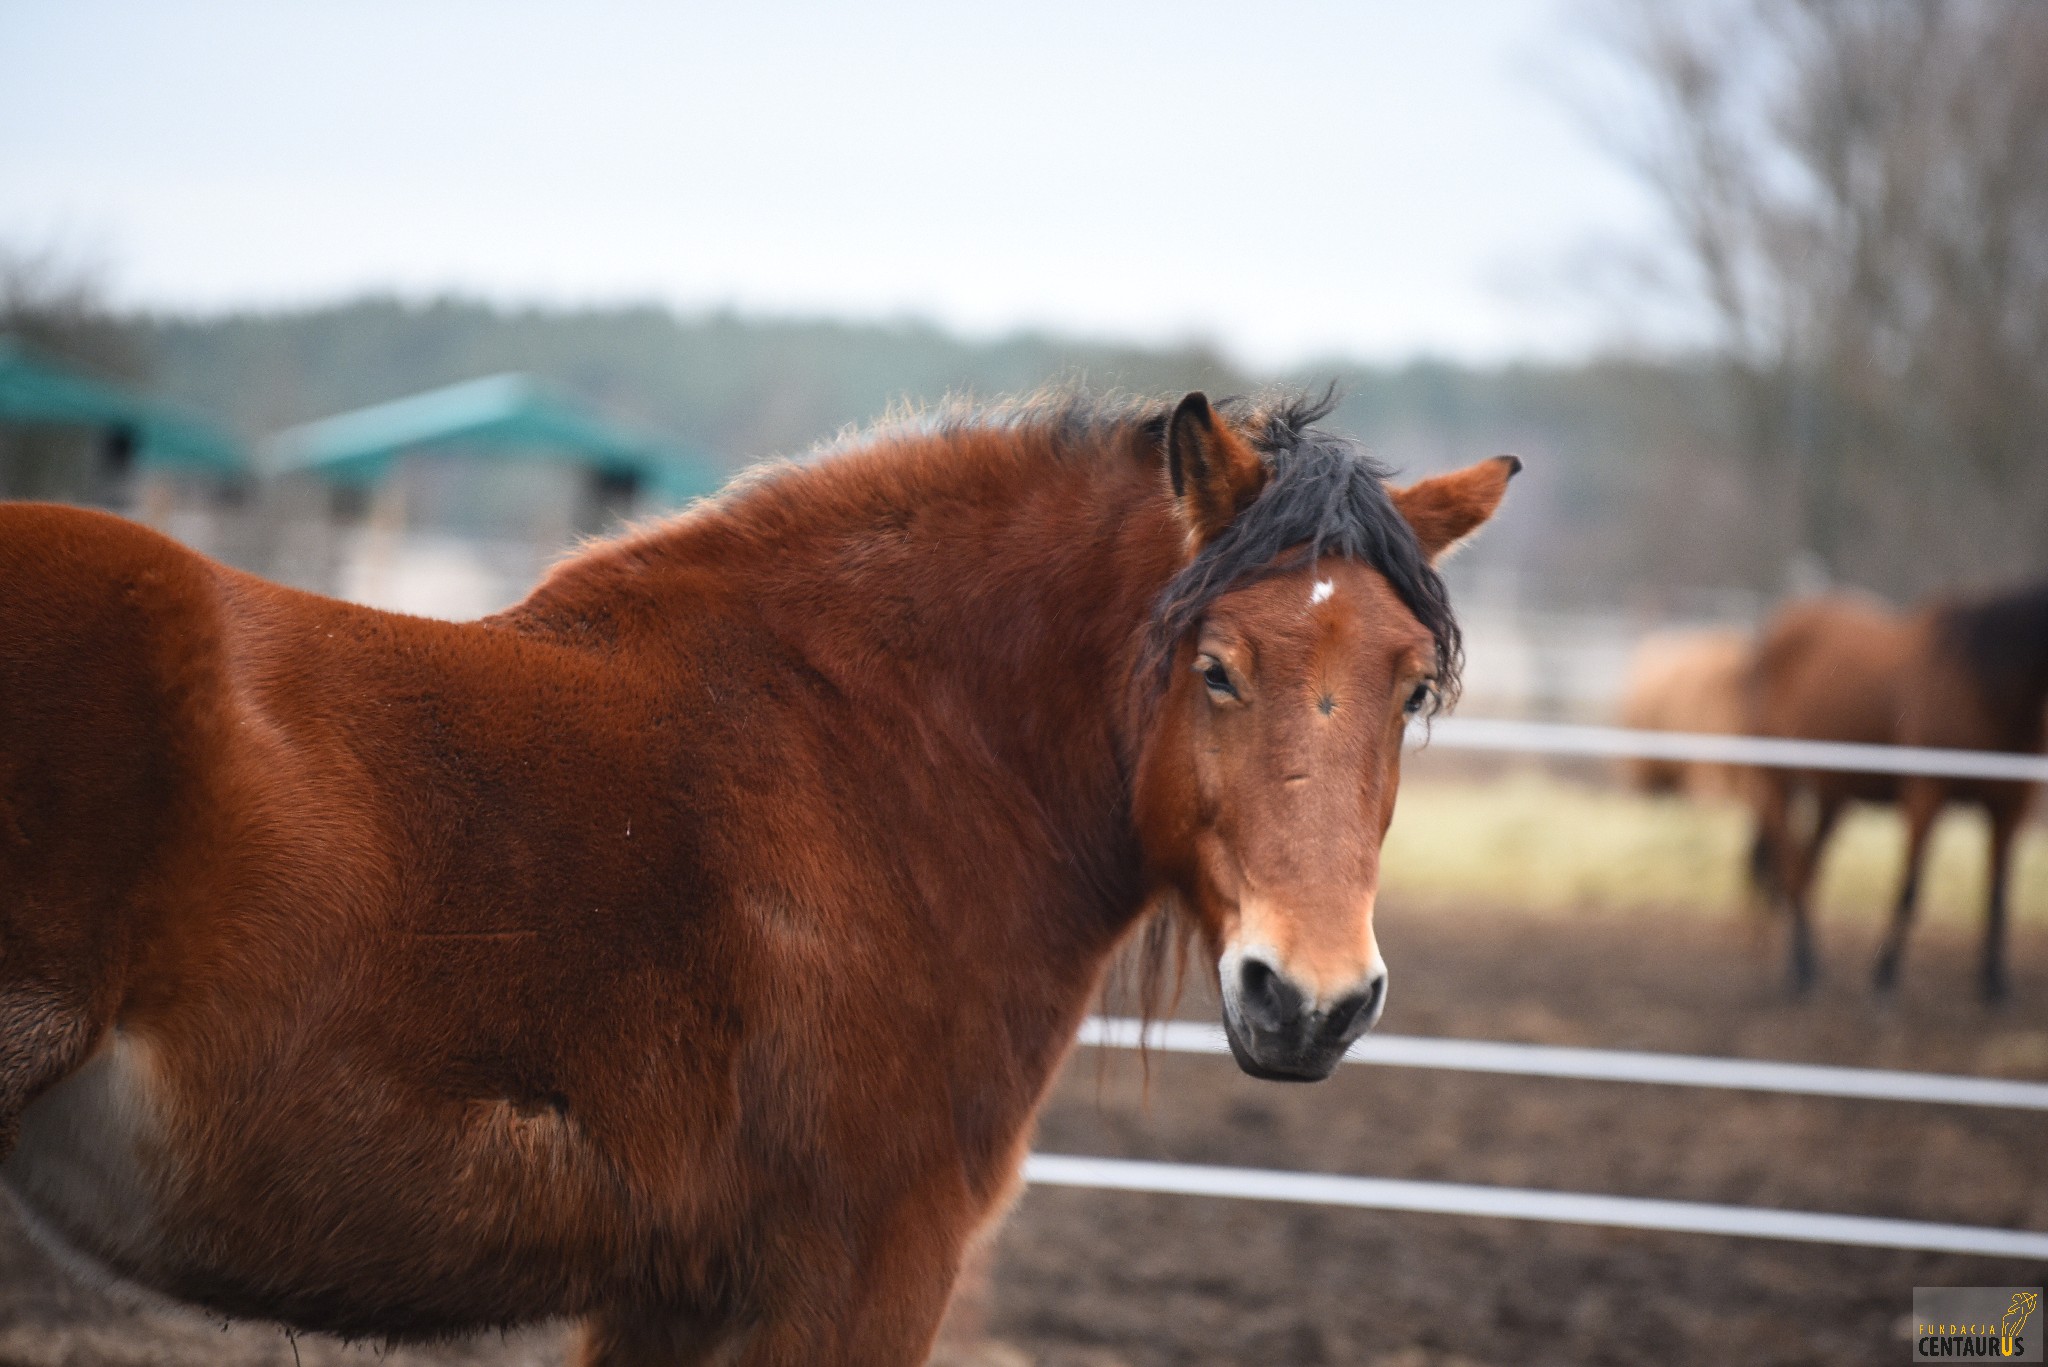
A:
{"x": 1324, "y": 495}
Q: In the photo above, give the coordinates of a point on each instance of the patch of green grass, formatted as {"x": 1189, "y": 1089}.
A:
{"x": 1545, "y": 844}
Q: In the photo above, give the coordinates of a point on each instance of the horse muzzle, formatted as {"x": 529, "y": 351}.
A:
{"x": 1281, "y": 1033}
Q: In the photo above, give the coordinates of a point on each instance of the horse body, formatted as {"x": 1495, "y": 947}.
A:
{"x": 598, "y": 958}
{"x": 686, "y": 948}
{"x": 1688, "y": 681}
{"x": 1833, "y": 669}
{"x": 1966, "y": 674}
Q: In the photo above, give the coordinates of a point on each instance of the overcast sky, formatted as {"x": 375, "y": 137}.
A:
{"x": 1374, "y": 179}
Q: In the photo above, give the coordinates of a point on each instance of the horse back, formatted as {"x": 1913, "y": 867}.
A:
{"x": 1832, "y": 669}
{"x": 371, "y": 919}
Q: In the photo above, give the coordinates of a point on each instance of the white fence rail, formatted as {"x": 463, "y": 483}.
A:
{"x": 1564, "y": 1207}
{"x": 1615, "y": 742}
{"x": 1605, "y": 1065}
{"x": 1523, "y": 1203}
{"x": 1608, "y": 1065}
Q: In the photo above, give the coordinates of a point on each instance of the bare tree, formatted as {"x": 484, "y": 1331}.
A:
{"x": 1859, "y": 189}
{"x": 55, "y": 307}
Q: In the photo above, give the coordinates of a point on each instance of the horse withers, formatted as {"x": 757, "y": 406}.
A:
{"x": 1959, "y": 673}
{"x": 686, "y": 949}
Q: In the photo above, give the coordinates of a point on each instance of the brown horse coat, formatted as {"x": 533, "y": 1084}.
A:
{"x": 1964, "y": 674}
{"x": 686, "y": 948}
{"x": 1689, "y": 681}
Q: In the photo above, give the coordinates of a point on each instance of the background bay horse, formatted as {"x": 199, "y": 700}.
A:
{"x": 687, "y": 948}
{"x": 1689, "y": 681}
{"x": 1966, "y": 674}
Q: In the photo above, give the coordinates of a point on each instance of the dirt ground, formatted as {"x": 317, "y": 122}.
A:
{"x": 1088, "y": 1279}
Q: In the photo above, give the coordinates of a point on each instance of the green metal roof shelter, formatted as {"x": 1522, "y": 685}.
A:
{"x": 35, "y": 390}
{"x": 503, "y": 416}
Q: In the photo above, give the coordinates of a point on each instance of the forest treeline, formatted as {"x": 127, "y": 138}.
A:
{"x": 1641, "y": 492}
{"x": 1626, "y": 500}
{"x": 1855, "y": 200}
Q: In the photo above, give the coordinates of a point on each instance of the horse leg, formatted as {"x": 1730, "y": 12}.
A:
{"x": 886, "y": 1313}
{"x": 1799, "y": 878}
{"x": 1773, "y": 811}
{"x": 1922, "y": 804}
{"x": 1762, "y": 871}
{"x": 883, "y": 1311}
{"x": 1762, "y": 866}
{"x": 2005, "y": 820}
{"x": 1769, "y": 847}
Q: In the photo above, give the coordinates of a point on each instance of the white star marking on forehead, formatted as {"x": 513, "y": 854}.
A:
{"x": 1321, "y": 592}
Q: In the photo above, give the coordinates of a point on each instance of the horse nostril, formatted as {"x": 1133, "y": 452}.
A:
{"x": 1268, "y": 999}
{"x": 1359, "y": 1006}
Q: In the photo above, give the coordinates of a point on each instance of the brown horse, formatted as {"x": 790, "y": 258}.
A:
{"x": 688, "y": 948}
{"x": 1965, "y": 674}
{"x": 1688, "y": 681}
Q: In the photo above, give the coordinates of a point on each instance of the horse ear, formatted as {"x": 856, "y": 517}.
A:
{"x": 1447, "y": 509}
{"x": 1215, "y": 472}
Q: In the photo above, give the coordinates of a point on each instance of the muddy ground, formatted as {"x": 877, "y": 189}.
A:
{"x": 1086, "y": 1279}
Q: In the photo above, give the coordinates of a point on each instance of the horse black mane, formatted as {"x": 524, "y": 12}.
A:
{"x": 1325, "y": 495}
{"x": 2003, "y": 640}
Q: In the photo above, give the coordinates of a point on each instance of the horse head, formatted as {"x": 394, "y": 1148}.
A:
{"x": 1308, "y": 626}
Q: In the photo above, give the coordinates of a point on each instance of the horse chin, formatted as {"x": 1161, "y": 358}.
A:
{"x": 1298, "y": 1068}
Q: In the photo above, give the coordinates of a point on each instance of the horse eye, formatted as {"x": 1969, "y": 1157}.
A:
{"x": 1417, "y": 700}
{"x": 1218, "y": 679}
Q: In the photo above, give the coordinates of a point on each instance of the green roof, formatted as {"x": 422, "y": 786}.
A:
{"x": 503, "y": 416}
{"x": 37, "y": 390}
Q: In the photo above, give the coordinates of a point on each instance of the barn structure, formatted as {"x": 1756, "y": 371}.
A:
{"x": 499, "y": 418}
{"x": 38, "y": 391}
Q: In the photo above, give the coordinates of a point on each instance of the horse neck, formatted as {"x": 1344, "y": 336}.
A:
{"x": 979, "y": 604}
{"x": 2005, "y": 641}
